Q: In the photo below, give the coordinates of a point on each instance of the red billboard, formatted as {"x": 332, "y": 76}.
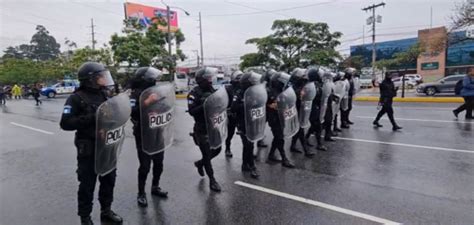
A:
{"x": 145, "y": 15}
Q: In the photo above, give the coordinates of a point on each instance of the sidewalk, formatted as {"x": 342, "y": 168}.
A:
{"x": 373, "y": 94}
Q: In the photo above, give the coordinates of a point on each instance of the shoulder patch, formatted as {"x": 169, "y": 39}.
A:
{"x": 67, "y": 109}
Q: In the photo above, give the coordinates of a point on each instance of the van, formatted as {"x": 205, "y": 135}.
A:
{"x": 181, "y": 82}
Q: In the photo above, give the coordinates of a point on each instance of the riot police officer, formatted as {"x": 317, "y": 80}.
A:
{"x": 340, "y": 93}
{"x": 205, "y": 77}
{"x": 80, "y": 114}
{"x": 349, "y": 75}
{"x": 315, "y": 74}
{"x": 298, "y": 81}
{"x": 278, "y": 83}
{"x": 387, "y": 93}
{"x": 248, "y": 111}
{"x": 231, "y": 89}
{"x": 328, "y": 88}
{"x": 145, "y": 77}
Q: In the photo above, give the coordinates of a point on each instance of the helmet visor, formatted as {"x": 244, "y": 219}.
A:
{"x": 152, "y": 74}
{"x": 104, "y": 78}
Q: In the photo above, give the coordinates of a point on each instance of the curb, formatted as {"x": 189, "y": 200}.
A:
{"x": 181, "y": 96}
{"x": 414, "y": 99}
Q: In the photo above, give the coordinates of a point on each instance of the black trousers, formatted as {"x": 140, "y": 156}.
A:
{"x": 37, "y": 99}
{"x": 247, "y": 153}
{"x": 328, "y": 119}
{"x": 87, "y": 180}
{"x": 278, "y": 142}
{"x": 386, "y": 108}
{"x": 231, "y": 126}
{"x": 299, "y": 136}
{"x": 345, "y": 113}
{"x": 145, "y": 161}
{"x": 202, "y": 140}
{"x": 468, "y": 106}
{"x": 316, "y": 128}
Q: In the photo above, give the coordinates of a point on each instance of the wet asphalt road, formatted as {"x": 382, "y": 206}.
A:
{"x": 421, "y": 175}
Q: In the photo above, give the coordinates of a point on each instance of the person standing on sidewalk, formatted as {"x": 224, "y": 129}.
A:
{"x": 387, "y": 93}
{"x": 467, "y": 92}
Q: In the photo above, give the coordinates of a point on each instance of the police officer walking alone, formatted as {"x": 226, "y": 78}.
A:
{"x": 80, "y": 114}
{"x": 387, "y": 93}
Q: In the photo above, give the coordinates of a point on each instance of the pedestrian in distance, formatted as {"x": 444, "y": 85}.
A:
{"x": 35, "y": 91}
{"x": 2, "y": 96}
{"x": 16, "y": 92}
{"x": 467, "y": 92}
{"x": 387, "y": 93}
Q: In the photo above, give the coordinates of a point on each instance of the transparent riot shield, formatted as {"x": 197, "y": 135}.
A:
{"x": 339, "y": 91}
{"x": 255, "y": 98}
{"x": 111, "y": 117}
{"x": 326, "y": 92}
{"x": 215, "y": 113}
{"x": 288, "y": 115}
{"x": 307, "y": 95}
{"x": 157, "y": 105}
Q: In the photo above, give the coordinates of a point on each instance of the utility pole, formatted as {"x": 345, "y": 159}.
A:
{"x": 373, "y": 20}
{"x": 93, "y": 33}
{"x": 200, "y": 37}
{"x": 168, "y": 21}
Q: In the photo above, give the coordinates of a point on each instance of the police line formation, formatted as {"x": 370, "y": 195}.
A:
{"x": 309, "y": 99}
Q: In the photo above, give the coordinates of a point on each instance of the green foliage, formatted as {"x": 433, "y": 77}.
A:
{"x": 356, "y": 62}
{"x": 402, "y": 59}
{"x": 25, "y": 71}
{"x": 294, "y": 43}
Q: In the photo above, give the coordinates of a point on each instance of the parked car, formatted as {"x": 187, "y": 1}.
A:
{"x": 410, "y": 83}
{"x": 365, "y": 81}
{"x": 63, "y": 87}
{"x": 443, "y": 85}
{"x": 417, "y": 77}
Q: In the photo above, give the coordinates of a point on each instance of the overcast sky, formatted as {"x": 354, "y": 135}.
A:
{"x": 224, "y": 31}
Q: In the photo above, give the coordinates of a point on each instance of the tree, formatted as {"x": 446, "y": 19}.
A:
{"x": 463, "y": 17}
{"x": 141, "y": 46}
{"x": 402, "y": 59}
{"x": 44, "y": 46}
{"x": 356, "y": 62}
{"x": 295, "y": 43}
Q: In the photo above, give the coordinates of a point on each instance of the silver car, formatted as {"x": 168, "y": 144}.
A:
{"x": 444, "y": 85}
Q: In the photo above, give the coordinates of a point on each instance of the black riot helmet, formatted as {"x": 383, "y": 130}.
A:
{"x": 266, "y": 77}
{"x": 298, "y": 77}
{"x": 337, "y": 76}
{"x": 146, "y": 77}
{"x": 314, "y": 74}
{"x": 279, "y": 81}
{"x": 235, "y": 78}
{"x": 250, "y": 79}
{"x": 94, "y": 75}
{"x": 206, "y": 77}
{"x": 349, "y": 73}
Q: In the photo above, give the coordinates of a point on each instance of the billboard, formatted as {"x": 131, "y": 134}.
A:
{"x": 145, "y": 15}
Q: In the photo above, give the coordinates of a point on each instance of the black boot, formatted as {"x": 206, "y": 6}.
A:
{"x": 228, "y": 153}
{"x": 110, "y": 216}
{"x": 200, "y": 168}
{"x": 349, "y": 122}
{"x": 455, "y": 113}
{"x": 286, "y": 163}
{"x": 377, "y": 124}
{"x": 141, "y": 200}
{"x": 214, "y": 186}
{"x": 396, "y": 127}
{"x": 328, "y": 138}
{"x": 155, "y": 190}
{"x": 254, "y": 174}
{"x": 307, "y": 152}
{"x": 345, "y": 125}
{"x": 246, "y": 168}
{"x": 86, "y": 220}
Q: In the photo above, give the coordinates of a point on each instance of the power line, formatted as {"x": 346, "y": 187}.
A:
{"x": 271, "y": 11}
{"x": 260, "y": 10}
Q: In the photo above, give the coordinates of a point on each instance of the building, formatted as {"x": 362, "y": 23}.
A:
{"x": 444, "y": 54}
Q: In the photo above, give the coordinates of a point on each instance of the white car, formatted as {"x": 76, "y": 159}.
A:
{"x": 410, "y": 83}
{"x": 417, "y": 77}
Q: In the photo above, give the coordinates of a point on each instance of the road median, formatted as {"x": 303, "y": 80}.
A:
{"x": 414, "y": 99}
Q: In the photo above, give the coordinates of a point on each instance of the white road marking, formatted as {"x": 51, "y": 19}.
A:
{"x": 407, "y": 145}
{"x": 405, "y": 107}
{"x": 318, "y": 204}
{"x": 420, "y": 120}
{"x": 31, "y": 128}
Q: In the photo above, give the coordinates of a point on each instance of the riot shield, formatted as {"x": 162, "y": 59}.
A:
{"x": 345, "y": 99}
{"x": 307, "y": 95}
{"x": 339, "y": 91}
{"x": 111, "y": 117}
{"x": 255, "y": 98}
{"x": 326, "y": 92}
{"x": 356, "y": 81}
{"x": 156, "y": 118}
{"x": 215, "y": 113}
{"x": 287, "y": 113}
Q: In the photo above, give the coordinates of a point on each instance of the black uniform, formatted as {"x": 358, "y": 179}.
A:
{"x": 300, "y": 135}
{"x": 345, "y": 113}
{"x": 248, "y": 163}
{"x": 79, "y": 114}
{"x": 328, "y": 119}
{"x": 196, "y": 99}
{"x": 232, "y": 119}
{"x": 316, "y": 126}
{"x": 144, "y": 159}
{"x": 387, "y": 93}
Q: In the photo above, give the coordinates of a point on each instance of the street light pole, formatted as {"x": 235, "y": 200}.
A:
{"x": 170, "y": 68}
